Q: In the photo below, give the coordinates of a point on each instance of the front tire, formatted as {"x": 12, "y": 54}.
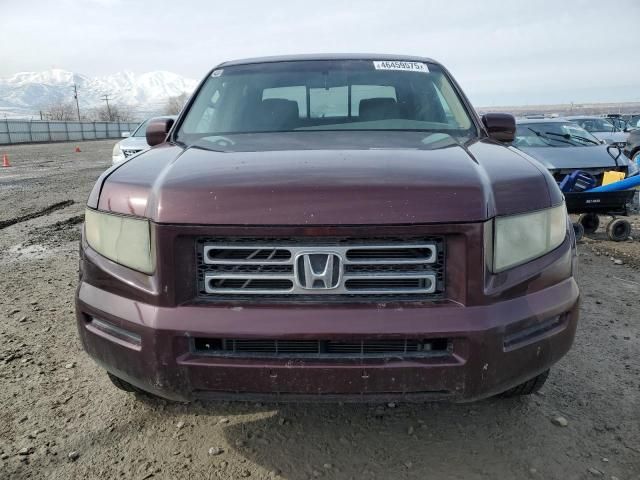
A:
{"x": 527, "y": 388}
{"x": 578, "y": 231}
{"x": 125, "y": 386}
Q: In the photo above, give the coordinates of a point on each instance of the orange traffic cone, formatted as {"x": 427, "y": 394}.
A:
{"x": 5, "y": 160}
{"x": 78, "y": 149}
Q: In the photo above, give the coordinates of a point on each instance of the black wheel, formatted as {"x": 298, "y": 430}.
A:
{"x": 124, "y": 386}
{"x": 618, "y": 229}
{"x": 578, "y": 231}
{"x": 590, "y": 222}
{"x": 528, "y": 387}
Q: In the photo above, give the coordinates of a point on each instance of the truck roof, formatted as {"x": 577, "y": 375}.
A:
{"x": 328, "y": 56}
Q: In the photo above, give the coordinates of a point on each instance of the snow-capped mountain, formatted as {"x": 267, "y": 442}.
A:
{"x": 26, "y": 93}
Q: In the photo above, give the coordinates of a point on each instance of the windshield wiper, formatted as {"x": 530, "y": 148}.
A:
{"x": 569, "y": 136}
{"x": 585, "y": 139}
{"x": 544, "y": 135}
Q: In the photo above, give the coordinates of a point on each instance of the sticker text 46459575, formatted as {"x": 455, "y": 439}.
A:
{"x": 401, "y": 65}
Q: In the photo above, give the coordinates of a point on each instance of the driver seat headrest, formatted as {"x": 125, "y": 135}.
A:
{"x": 277, "y": 114}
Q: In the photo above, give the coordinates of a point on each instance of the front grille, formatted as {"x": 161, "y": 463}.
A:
{"x": 128, "y": 152}
{"x": 335, "y": 268}
{"x": 323, "y": 348}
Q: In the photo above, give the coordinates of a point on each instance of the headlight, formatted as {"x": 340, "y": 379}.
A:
{"x": 117, "y": 155}
{"x": 521, "y": 238}
{"x": 125, "y": 240}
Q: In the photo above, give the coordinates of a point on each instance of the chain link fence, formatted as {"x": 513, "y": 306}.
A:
{"x": 33, "y": 131}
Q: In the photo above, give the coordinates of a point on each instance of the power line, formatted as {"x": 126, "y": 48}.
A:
{"x": 106, "y": 99}
{"x": 75, "y": 95}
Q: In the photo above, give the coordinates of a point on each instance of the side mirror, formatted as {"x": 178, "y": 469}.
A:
{"x": 125, "y": 134}
{"x": 157, "y": 130}
{"x": 500, "y": 126}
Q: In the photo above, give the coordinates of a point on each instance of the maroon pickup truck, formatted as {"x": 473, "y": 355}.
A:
{"x": 339, "y": 227}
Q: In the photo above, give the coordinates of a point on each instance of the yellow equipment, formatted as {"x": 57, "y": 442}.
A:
{"x": 611, "y": 177}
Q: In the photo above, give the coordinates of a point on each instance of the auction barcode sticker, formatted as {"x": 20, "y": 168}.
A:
{"x": 400, "y": 65}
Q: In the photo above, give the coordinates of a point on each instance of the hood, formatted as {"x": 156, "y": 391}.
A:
{"x": 326, "y": 187}
{"x": 574, "y": 158}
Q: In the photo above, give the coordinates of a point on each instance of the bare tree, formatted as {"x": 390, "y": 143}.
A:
{"x": 174, "y": 104}
{"x": 99, "y": 114}
{"x": 115, "y": 113}
{"x": 60, "y": 111}
{"x": 123, "y": 113}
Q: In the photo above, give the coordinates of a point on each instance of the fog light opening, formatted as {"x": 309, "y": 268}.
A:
{"x": 106, "y": 328}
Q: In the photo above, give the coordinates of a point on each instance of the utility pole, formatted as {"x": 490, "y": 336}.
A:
{"x": 106, "y": 99}
{"x": 75, "y": 95}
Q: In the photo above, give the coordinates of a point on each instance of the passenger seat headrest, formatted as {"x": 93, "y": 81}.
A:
{"x": 378, "y": 108}
{"x": 278, "y": 114}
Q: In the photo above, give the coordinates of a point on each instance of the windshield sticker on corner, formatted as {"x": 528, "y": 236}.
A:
{"x": 217, "y": 73}
{"x": 398, "y": 65}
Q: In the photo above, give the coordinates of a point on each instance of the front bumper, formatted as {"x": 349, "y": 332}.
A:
{"x": 493, "y": 347}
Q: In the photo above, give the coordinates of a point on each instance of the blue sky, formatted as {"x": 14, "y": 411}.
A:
{"x": 502, "y": 52}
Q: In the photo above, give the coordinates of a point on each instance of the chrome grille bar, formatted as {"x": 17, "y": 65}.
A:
{"x": 252, "y": 255}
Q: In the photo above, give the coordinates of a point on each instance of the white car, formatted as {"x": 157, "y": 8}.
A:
{"x": 134, "y": 143}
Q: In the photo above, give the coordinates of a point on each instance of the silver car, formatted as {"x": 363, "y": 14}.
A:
{"x": 601, "y": 128}
{"x": 134, "y": 143}
{"x": 563, "y": 147}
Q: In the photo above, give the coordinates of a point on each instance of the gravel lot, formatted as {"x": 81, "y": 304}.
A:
{"x": 61, "y": 418}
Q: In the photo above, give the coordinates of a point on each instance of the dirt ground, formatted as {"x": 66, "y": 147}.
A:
{"x": 61, "y": 418}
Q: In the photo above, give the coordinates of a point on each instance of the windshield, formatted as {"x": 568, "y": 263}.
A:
{"x": 595, "y": 124}
{"x": 617, "y": 122}
{"x": 553, "y": 134}
{"x": 308, "y": 96}
{"x": 141, "y": 131}
{"x": 634, "y": 121}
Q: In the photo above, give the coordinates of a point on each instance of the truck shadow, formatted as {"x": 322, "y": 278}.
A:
{"x": 408, "y": 441}
{"x": 496, "y": 438}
